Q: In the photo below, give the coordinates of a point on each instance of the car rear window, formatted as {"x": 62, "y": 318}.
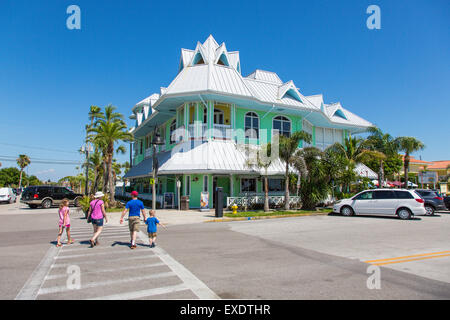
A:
{"x": 29, "y": 190}
{"x": 427, "y": 193}
{"x": 404, "y": 195}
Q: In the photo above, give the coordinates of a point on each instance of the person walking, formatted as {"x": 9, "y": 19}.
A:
{"x": 97, "y": 216}
{"x": 135, "y": 208}
{"x": 64, "y": 222}
{"x": 151, "y": 222}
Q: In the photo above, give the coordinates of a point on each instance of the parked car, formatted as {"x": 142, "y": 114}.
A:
{"x": 433, "y": 201}
{"x": 401, "y": 202}
{"x": 447, "y": 202}
{"x": 7, "y": 195}
{"x": 47, "y": 196}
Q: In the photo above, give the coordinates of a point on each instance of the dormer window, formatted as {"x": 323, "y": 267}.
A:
{"x": 223, "y": 60}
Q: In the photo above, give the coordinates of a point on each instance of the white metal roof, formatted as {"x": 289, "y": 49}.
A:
{"x": 196, "y": 76}
{"x": 264, "y": 75}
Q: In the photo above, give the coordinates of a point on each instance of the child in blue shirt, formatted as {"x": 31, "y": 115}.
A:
{"x": 151, "y": 222}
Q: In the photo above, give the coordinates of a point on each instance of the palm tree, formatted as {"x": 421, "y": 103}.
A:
{"x": 126, "y": 166}
{"x": 352, "y": 148}
{"x": 94, "y": 114}
{"x": 383, "y": 143}
{"x": 109, "y": 130}
{"x": 314, "y": 176}
{"x": 23, "y": 161}
{"x": 287, "y": 148}
{"x": 408, "y": 145}
{"x": 355, "y": 150}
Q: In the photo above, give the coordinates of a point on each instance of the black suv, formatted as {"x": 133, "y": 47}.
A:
{"x": 46, "y": 196}
{"x": 433, "y": 201}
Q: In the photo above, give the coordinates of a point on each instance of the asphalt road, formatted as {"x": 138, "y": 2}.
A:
{"x": 320, "y": 257}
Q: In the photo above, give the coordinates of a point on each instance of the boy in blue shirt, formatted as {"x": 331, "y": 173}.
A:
{"x": 151, "y": 222}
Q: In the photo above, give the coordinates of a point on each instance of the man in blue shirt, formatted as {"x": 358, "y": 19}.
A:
{"x": 135, "y": 207}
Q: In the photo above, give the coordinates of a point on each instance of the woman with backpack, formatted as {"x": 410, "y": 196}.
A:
{"x": 96, "y": 215}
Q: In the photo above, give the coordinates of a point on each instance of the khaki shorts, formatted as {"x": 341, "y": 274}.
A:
{"x": 133, "y": 223}
{"x": 152, "y": 234}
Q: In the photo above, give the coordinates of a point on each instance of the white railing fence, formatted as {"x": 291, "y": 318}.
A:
{"x": 253, "y": 200}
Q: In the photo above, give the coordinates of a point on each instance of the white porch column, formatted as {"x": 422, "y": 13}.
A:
{"x": 197, "y": 121}
{"x": 210, "y": 118}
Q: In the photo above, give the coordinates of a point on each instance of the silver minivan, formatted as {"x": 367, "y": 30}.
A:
{"x": 400, "y": 202}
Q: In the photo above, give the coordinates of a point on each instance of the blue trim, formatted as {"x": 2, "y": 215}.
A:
{"x": 197, "y": 58}
{"x": 293, "y": 94}
{"x": 340, "y": 113}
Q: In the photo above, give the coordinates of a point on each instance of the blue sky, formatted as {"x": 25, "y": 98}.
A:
{"x": 397, "y": 77}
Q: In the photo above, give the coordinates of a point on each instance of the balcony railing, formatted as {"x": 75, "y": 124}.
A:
{"x": 219, "y": 131}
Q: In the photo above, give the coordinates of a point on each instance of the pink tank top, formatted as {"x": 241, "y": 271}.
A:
{"x": 96, "y": 209}
{"x": 61, "y": 212}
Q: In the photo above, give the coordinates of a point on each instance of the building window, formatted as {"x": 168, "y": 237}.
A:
{"x": 205, "y": 183}
{"x": 248, "y": 185}
{"x": 187, "y": 185}
{"x": 282, "y": 125}
{"x": 276, "y": 185}
{"x": 251, "y": 125}
{"x": 173, "y": 127}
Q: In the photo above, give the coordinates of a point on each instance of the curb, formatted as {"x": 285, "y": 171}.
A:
{"x": 228, "y": 219}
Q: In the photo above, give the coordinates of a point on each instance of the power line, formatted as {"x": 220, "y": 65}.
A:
{"x": 38, "y": 148}
{"x": 38, "y": 159}
{"x": 68, "y": 162}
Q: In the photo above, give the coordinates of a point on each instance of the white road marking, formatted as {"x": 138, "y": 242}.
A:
{"x": 57, "y": 289}
{"x": 91, "y": 254}
{"x": 190, "y": 280}
{"x": 144, "y": 293}
{"x": 64, "y": 265}
{"x": 141, "y": 266}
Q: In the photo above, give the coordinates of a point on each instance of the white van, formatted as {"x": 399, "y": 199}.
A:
{"x": 7, "y": 195}
{"x": 401, "y": 202}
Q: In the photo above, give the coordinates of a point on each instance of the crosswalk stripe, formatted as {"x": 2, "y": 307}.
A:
{"x": 65, "y": 275}
{"x": 63, "y": 265}
{"x": 92, "y": 254}
{"x": 58, "y": 289}
{"x": 144, "y": 293}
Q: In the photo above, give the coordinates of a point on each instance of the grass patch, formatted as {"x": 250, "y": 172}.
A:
{"x": 261, "y": 213}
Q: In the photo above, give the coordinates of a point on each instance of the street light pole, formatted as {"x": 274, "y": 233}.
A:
{"x": 156, "y": 141}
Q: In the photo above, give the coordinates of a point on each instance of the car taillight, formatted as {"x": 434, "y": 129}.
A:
{"x": 36, "y": 196}
{"x": 420, "y": 200}
{"x": 438, "y": 198}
